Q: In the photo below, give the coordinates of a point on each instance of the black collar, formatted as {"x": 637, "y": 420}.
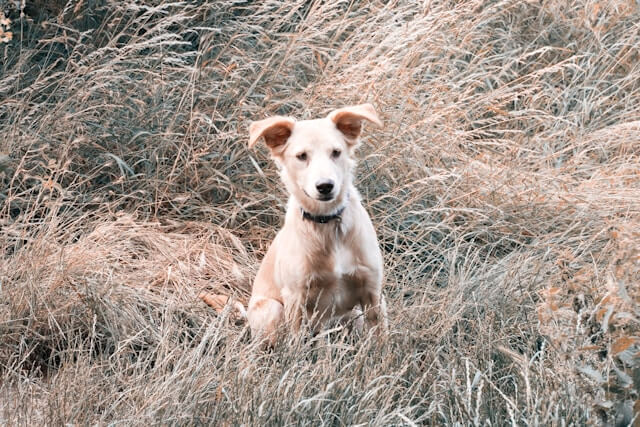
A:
{"x": 323, "y": 219}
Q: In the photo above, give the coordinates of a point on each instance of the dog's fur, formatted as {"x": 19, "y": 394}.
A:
{"x": 318, "y": 271}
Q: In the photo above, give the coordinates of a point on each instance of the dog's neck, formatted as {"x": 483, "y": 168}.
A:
{"x": 323, "y": 219}
{"x": 338, "y": 217}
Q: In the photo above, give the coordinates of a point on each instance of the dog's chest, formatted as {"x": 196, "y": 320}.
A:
{"x": 336, "y": 279}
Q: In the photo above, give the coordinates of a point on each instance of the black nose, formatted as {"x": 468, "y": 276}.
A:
{"x": 325, "y": 187}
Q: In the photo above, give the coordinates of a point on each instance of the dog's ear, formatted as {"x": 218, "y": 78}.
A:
{"x": 275, "y": 131}
{"x": 348, "y": 120}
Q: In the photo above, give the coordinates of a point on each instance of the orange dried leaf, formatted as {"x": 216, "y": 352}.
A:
{"x": 621, "y": 344}
{"x": 497, "y": 110}
{"x": 589, "y": 348}
{"x": 319, "y": 59}
{"x": 600, "y": 314}
{"x": 217, "y": 302}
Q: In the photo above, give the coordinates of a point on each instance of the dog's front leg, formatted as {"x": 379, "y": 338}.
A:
{"x": 265, "y": 316}
{"x": 293, "y": 313}
{"x": 375, "y": 309}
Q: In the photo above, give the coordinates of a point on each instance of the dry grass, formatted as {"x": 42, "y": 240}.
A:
{"x": 505, "y": 189}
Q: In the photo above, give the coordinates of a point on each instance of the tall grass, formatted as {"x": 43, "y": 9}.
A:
{"x": 504, "y": 189}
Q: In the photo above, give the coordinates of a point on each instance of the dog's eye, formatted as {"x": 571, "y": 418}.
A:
{"x": 335, "y": 154}
{"x": 302, "y": 157}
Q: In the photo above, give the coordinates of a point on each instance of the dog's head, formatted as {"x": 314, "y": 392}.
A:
{"x": 315, "y": 156}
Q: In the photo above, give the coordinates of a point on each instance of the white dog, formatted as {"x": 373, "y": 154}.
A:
{"x": 325, "y": 263}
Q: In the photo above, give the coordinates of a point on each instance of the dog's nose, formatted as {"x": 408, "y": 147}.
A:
{"x": 324, "y": 187}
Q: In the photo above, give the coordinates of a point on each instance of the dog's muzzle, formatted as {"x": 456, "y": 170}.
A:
{"x": 325, "y": 190}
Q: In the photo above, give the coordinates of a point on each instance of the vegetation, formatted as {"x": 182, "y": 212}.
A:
{"x": 505, "y": 189}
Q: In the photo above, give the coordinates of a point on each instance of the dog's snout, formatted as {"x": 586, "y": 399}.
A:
{"x": 325, "y": 187}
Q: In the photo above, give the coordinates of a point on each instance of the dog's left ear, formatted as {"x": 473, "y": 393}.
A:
{"x": 348, "y": 120}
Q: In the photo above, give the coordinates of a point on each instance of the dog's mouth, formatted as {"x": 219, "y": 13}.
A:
{"x": 321, "y": 197}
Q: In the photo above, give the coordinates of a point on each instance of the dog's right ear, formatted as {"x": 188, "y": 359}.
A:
{"x": 275, "y": 131}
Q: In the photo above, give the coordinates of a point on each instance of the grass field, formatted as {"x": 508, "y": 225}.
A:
{"x": 504, "y": 187}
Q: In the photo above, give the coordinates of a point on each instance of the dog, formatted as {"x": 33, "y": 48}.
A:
{"x": 325, "y": 263}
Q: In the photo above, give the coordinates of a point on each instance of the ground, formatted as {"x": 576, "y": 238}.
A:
{"x": 504, "y": 187}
